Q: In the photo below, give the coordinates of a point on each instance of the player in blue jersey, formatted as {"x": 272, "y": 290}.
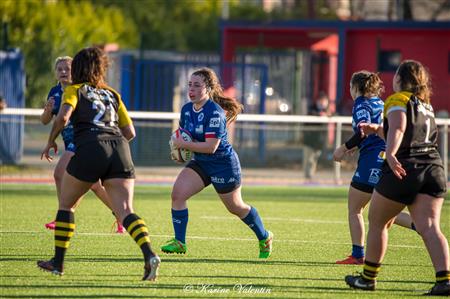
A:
{"x": 62, "y": 72}
{"x": 412, "y": 176}
{"x": 207, "y": 117}
{"x": 365, "y": 89}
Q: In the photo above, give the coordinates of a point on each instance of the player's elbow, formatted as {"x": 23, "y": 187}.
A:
{"x": 128, "y": 132}
{"x": 62, "y": 120}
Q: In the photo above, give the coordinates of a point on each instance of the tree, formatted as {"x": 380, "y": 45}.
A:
{"x": 46, "y": 30}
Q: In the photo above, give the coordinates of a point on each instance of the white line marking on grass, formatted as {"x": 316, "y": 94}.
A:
{"x": 207, "y": 238}
{"x": 279, "y": 219}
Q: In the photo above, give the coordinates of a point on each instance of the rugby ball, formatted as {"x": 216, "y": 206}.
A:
{"x": 180, "y": 155}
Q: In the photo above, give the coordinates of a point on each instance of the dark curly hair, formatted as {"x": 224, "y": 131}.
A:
{"x": 89, "y": 66}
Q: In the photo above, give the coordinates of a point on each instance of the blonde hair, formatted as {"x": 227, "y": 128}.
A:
{"x": 215, "y": 91}
{"x": 367, "y": 83}
{"x": 414, "y": 77}
{"x": 62, "y": 58}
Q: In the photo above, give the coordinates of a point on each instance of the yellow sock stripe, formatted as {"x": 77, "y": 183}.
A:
{"x": 133, "y": 224}
{"x": 63, "y": 244}
{"x": 371, "y": 269}
{"x": 443, "y": 278}
{"x": 367, "y": 277}
{"x": 65, "y": 224}
{"x": 64, "y": 233}
{"x": 142, "y": 229}
{"x": 144, "y": 239}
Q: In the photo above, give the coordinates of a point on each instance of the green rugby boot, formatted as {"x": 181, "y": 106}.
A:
{"x": 265, "y": 246}
{"x": 174, "y": 246}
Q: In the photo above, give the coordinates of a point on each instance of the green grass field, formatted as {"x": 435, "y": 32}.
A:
{"x": 310, "y": 229}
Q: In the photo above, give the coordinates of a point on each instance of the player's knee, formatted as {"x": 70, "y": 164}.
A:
{"x": 237, "y": 210}
{"x": 428, "y": 231}
{"x": 355, "y": 211}
{"x": 57, "y": 175}
{"x": 178, "y": 196}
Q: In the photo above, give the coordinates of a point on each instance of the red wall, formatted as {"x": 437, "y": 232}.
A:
{"x": 431, "y": 47}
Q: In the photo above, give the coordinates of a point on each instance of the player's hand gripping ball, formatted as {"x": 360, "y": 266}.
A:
{"x": 180, "y": 155}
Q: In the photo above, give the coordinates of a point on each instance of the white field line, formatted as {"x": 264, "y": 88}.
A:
{"x": 204, "y": 238}
{"x": 278, "y": 219}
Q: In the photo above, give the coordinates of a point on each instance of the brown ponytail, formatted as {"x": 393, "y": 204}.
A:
{"x": 414, "y": 77}
{"x": 215, "y": 91}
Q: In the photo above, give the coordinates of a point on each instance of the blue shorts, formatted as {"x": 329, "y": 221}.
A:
{"x": 224, "y": 174}
{"x": 70, "y": 146}
{"x": 368, "y": 172}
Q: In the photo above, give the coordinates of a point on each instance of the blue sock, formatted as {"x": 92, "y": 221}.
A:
{"x": 180, "y": 221}
{"x": 357, "y": 251}
{"x": 255, "y": 223}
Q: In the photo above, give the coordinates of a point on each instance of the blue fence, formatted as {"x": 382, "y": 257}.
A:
{"x": 12, "y": 89}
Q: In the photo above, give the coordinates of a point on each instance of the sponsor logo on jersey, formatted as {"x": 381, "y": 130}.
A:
{"x": 199, "y": 129}
{"x": 214, "y": 122}
{"x": 187, "y": 113}
{"x": 381, "y": 156}
{"x": 374, "y": 176}
{"x": 200, "y": 117}
{"x": 216, "y": 112}
{"x": 362, "y": 114}
{"x": 422, "y": 109}
{"x": 217, "y": 180}
{"x": 357, "y": 174}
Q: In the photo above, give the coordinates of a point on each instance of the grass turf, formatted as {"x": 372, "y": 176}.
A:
{"x": 310, "y": 227}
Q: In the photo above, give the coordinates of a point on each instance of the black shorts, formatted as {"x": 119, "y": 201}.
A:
{"x": 103, "y": 159}
{"x": 420, "y": 178}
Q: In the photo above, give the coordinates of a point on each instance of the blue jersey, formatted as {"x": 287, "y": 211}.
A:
{"x": 208, "y": 122}
{"x": 371, "y": 149}
{"x": 368, "y": 110}
{"x": 222, "y": 169}
{"x": 67, "y": 133}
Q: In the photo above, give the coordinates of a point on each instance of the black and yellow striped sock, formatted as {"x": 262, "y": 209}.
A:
{"x": 370, "y": 270}
{"x": 64, "y": 229}
{"x": 138, "y": 230}
{"x": 442, "y": 276}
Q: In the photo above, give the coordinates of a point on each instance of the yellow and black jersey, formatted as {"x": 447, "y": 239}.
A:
{"x": 419, "y": 144}
{"x": 98, "y": 113}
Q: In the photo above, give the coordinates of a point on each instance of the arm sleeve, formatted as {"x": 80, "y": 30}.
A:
{"x": 355, "y": 140}
{"x": 362, "y": 114}
{"x": 124, "y": 117}
{"x": 70, "y": 96}
{"x": 181, "y": 121}
{"x": 216, "y": 125}
{"x": 395, "y": 102}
